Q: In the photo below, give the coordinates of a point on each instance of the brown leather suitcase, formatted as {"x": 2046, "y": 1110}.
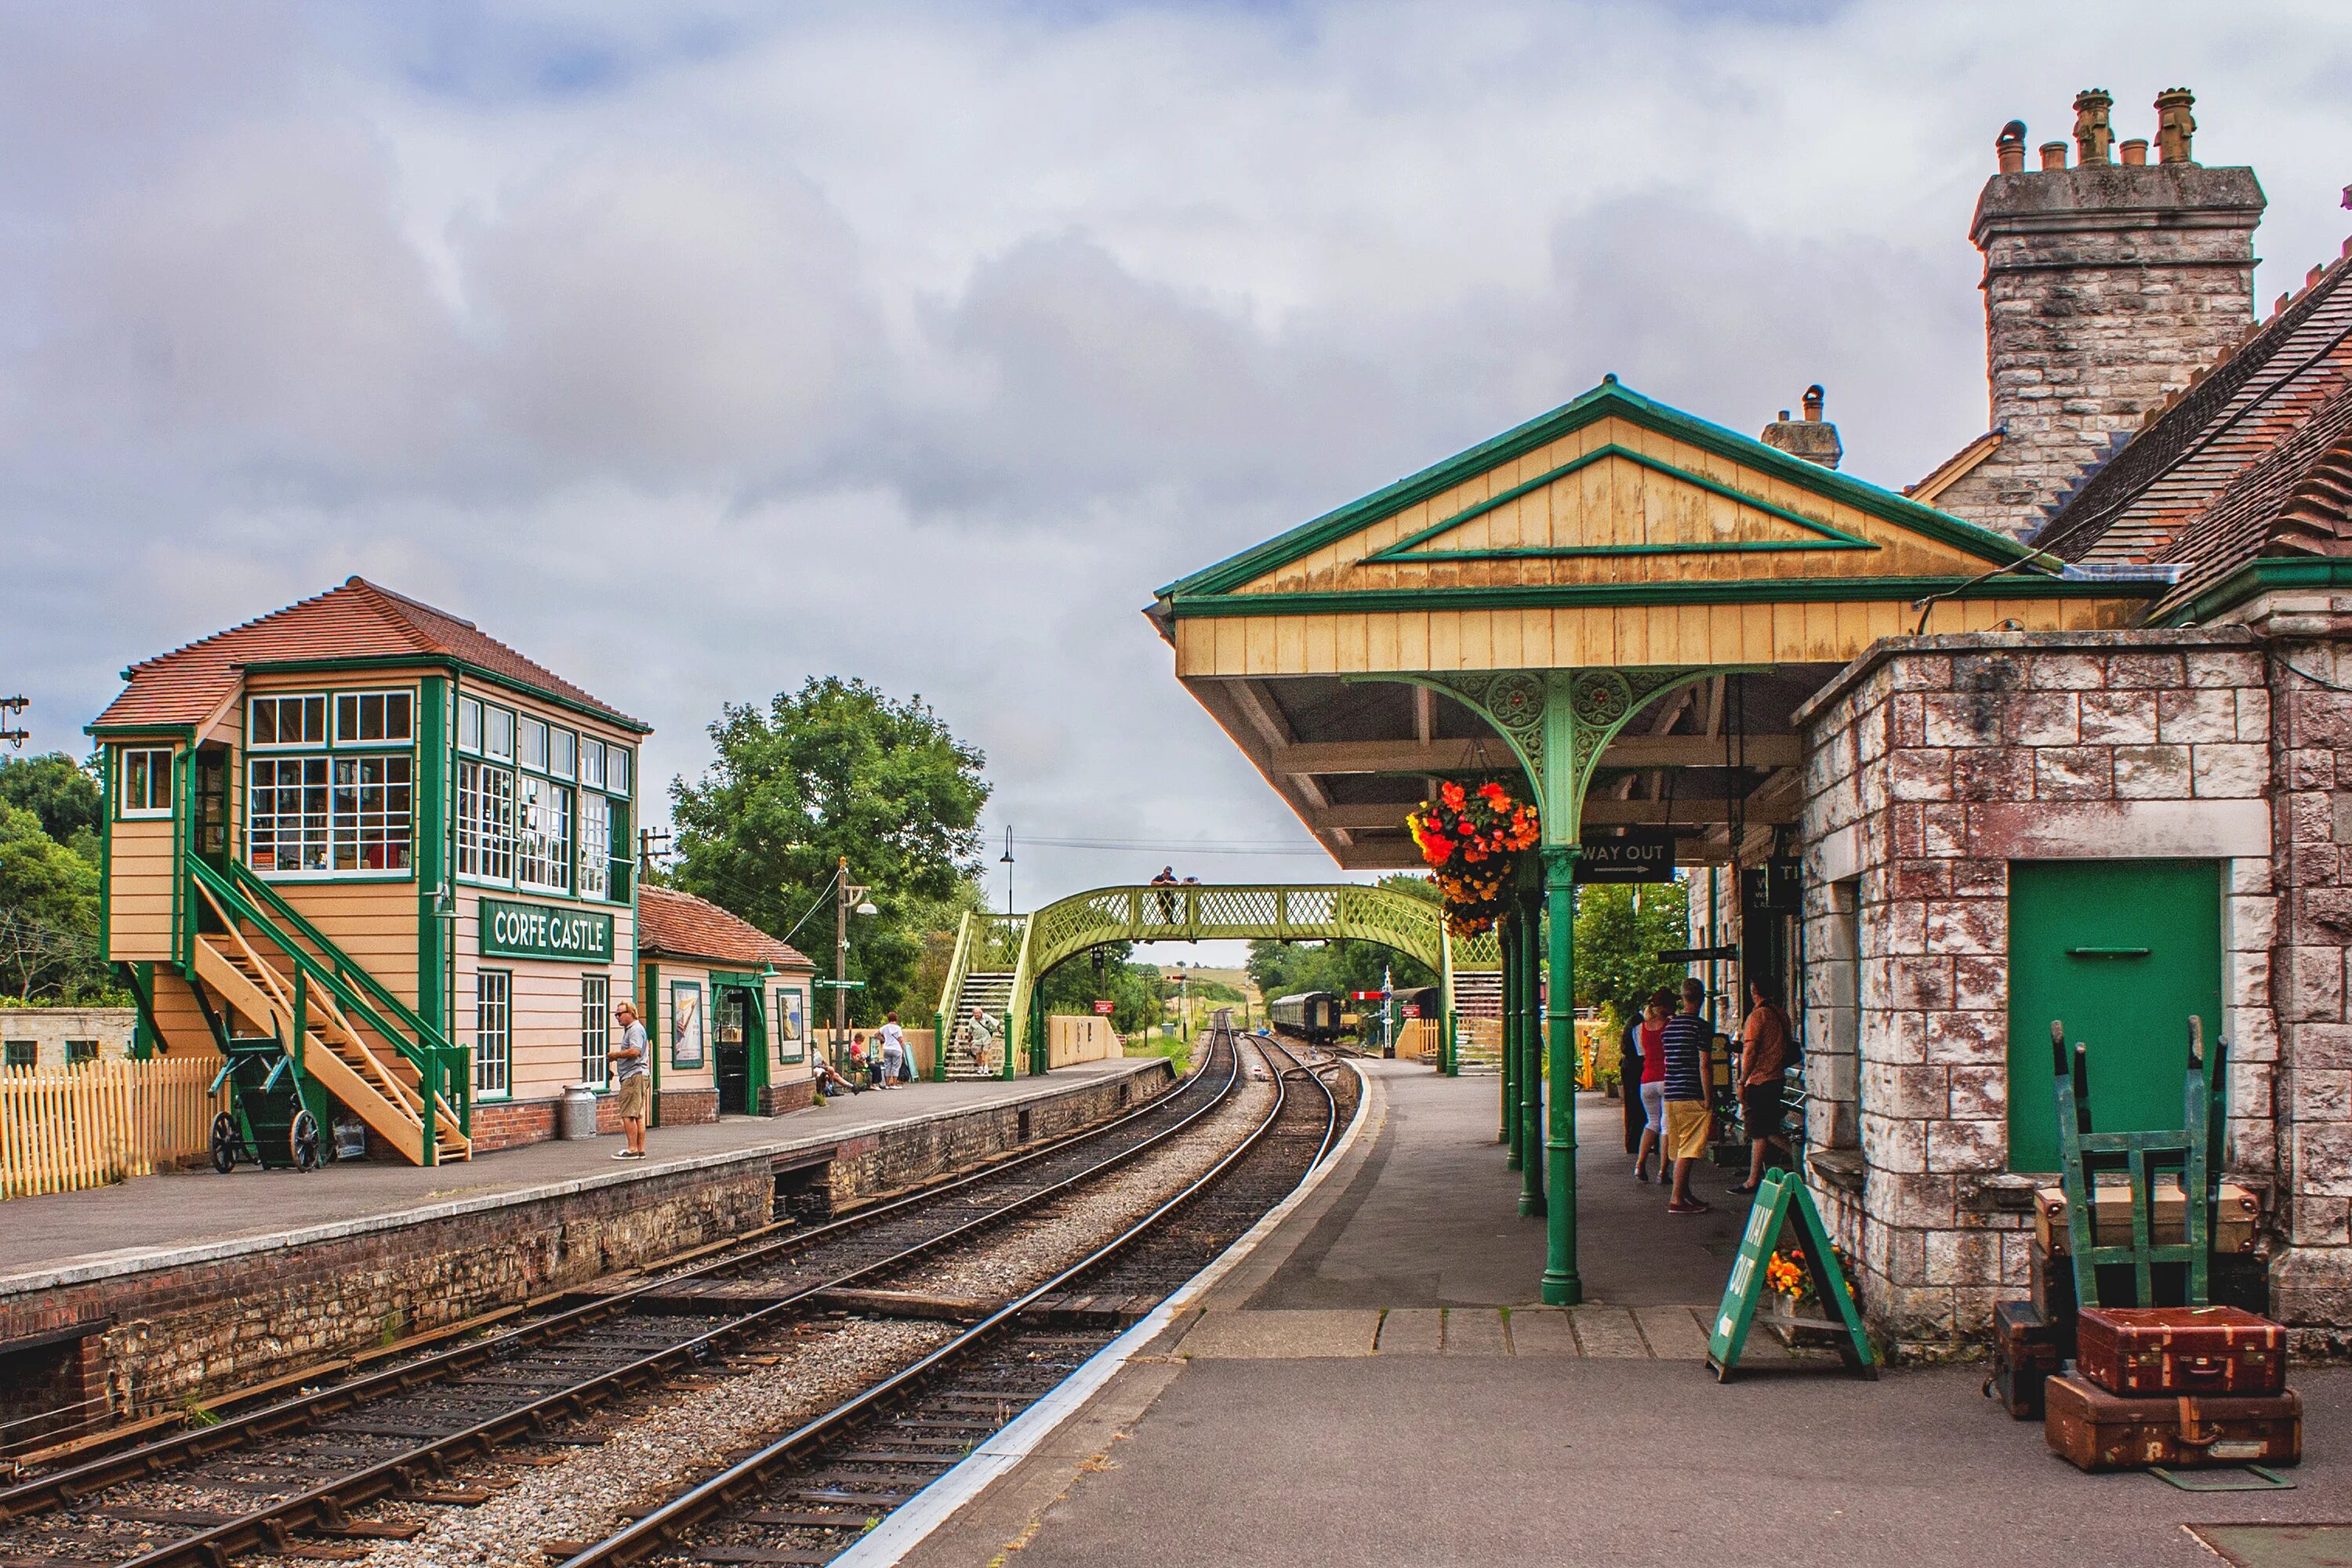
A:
{"x": 2027, "y": 1350}
{"x": 2236, "y": 1212}
{"x": 2096, "y": 1430}
{"x": 2145, "y": 1350}
{"x": 2050, "y": 1284}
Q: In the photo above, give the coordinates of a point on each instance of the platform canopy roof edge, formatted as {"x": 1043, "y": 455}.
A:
{"x": 1637, "y": 596}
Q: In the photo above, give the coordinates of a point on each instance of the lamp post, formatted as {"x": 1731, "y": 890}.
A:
{"x": 847, "y": 899}
{"x": 1005, "y": 860}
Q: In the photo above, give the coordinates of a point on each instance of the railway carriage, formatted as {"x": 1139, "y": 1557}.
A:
{"x": 1309, "y": 1015}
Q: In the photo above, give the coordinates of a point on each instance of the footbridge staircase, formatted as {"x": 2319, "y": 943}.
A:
{"x": 999, "y": 960}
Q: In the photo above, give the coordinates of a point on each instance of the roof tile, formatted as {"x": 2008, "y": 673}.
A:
{"x": 679, "y": 925}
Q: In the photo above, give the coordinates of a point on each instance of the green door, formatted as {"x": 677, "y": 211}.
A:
{"x": 2125, "y": 951}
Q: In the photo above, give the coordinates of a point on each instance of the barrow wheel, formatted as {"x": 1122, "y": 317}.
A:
{"x": 302, "y": 1141}
{"x": 225, "y": 1142}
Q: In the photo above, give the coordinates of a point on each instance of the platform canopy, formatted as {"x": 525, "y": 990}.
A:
{"x": 1674, "y": 590}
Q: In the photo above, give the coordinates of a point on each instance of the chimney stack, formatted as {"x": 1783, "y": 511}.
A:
{"x": 2104, "y": 285}
{"x": 1812, "y": 438}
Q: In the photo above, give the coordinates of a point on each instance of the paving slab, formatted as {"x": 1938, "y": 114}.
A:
{"x": 1541, "y": 1331}
{"x": 1674, "y": 1334}
{"x": 1412, "y": 1330}
{"x": 1250, "y": 1336}
{"x": 1475, "y": 1331}
{"x": 1609, "y": 1331}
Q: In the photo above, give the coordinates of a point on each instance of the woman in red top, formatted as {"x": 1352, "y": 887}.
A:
{"x": 1651, "y": 1033}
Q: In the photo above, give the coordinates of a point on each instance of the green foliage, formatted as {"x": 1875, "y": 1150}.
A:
{"x": 1285, "y": 969}
{"x": 837, "y": 769}
{"x": 62, "y": 792}
{"x": 1616, "y": 942}
{"x": 1134, "y": 989}
{"x": 50, "y": 939}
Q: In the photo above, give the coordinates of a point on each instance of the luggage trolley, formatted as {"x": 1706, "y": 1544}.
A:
{"x": 277, "y": 1112}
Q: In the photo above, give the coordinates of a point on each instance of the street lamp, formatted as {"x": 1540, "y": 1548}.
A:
{"x": 849, "y": 898}
{"x": 1005, "y": 860}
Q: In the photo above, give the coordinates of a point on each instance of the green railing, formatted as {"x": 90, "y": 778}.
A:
{"x": 1032, "y": 945}
{"x": 441, "y": 1067}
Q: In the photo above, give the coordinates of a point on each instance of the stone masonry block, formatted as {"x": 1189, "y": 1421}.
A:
{"x": 2326, "y": 1047}
{"x": 1956, "y": 1037}
{"x": 1964, "y": 718}
{"x": 1896, "y": 929}
{"x": 1905, "y": 1091}
{"x": 1992, "y": 773}
{"x": 1981, "y": 984}
{"x": 2224, "y": 667}
{"x": 2250, "y": 875}
{"x": 1889, "y": 1036}
{"x": 2153, "y": 773}
{"x": 1921, "y": 982}
{"x": 2253, "y": 923}
{"x": 1963, "y": 1257}
{"x": 2254, "y": 714}
{"x": 2321, "y": 1096}
{"x": 1908, "y": 1198}
{"x": 2322, "y": 1159}
{"x": 1944, "y": 831}
{"x": 1957, "y": 926}
{"x": 2191, "y": 716}
{"x": 2320, "y": 1222}
{"x": 2308, "y": 982}
{"x": 2117, "y": 718}
{"x": 2159, "y": 671}
{"x": 2065, "y": 671}
{"x": 2074, "y": 773}
{"x": 2234, "y": 772}
{"x": 1979, "y": 878}
{"x": 1979, "y": 1091}
{"x": 2308, "y": 767}
{"x": 1921, "y": 672}
{"x": 2043, "y": 719}
{"x": 1893, "y": 1143}
{"x": 1919, "y": 773}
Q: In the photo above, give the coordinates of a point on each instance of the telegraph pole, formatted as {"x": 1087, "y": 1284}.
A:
{"x": 848, "y": 900}
{"x": 19, "y": 736}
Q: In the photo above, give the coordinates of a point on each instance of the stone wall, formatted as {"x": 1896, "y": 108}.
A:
{"x": 1932, "y": 764}
{"x": 47, "y": 1030}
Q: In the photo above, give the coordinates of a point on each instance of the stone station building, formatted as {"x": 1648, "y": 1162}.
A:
{"x": 2053, "y": 734}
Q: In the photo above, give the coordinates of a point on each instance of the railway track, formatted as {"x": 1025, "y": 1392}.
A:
{"x": 811, "y": 1495}
{"x": 306, "y": 1462}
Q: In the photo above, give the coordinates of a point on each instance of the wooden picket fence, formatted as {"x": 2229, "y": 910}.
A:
{"x": 63, "y": 1129}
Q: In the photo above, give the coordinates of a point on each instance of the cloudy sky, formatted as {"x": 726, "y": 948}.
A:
{"x": 695, "y": 348}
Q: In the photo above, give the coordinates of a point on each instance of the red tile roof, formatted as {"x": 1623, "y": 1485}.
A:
{"x": 2206, "y": 483}
{"x": 360, "y": 619}
{"x": 679, "y": 925}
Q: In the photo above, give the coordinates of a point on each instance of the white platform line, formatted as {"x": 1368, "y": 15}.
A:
{"x": 909, "y": 1525}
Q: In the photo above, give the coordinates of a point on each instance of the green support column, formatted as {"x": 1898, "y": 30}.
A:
{"x": 1531, "y": 1076}
{"x": 1506, "y": 1063}
{"x": 1562, "y": 1287}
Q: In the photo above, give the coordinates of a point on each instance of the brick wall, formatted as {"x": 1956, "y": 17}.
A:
{"x": 688, "y": 1107}
{"x": 1930, "y": 766}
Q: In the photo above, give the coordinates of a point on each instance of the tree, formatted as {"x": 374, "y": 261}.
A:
{"x": 836, "y": 769}
{"x": 49, "y": 940}
{"x": 1620, "y": 930}
{"x": 1285, "y": 969}
{"x": 63, "y": 793}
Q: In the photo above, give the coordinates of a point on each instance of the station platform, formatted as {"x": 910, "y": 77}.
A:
{"x": 195, "y": 1216}
{"x": 1355, "y": 1390}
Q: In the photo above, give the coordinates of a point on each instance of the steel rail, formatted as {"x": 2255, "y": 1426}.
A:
{"x": 658, "y": 1531}
{"x": 1308, "y": 1070}
{"x": 403, "y": 1471}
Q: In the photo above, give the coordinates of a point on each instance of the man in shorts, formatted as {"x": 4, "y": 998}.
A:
{"x": 1766, "y": 1048}
{"x": 1684, "y": 1045}
{"x": 632, "y": 1067}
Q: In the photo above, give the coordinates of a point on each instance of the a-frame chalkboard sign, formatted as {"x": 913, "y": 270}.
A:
{"x": 1780, "y": 1193}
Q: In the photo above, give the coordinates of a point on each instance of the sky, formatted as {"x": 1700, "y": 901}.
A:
{"x": 694, "y": 349}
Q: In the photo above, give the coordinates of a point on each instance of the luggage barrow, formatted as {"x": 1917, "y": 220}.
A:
{"x": 277, "y": 1113}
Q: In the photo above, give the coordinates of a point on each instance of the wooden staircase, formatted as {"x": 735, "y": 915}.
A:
{"x": 377, "y": 1087}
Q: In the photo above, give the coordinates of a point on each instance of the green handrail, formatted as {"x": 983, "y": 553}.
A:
{"x": 422, "y": 1053}
{"x": 345, "y": 966}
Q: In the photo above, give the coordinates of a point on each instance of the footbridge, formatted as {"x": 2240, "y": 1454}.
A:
{"x": 999, "y": 960}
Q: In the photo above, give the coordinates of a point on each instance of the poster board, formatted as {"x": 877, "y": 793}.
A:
{"x": 790, "y": 1024}
{"x": 686, "y": 1023}
{"x": 1780, "y": 1194}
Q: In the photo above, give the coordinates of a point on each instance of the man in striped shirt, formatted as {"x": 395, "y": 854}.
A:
{"x": 1688, "y": 1120}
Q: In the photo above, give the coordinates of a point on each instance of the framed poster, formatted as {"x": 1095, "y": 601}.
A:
{"x": 686, "y": 1023}
{"x": 792, "y": 1024}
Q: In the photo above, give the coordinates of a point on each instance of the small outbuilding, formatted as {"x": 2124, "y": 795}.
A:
{"x": 728, "y": 1012}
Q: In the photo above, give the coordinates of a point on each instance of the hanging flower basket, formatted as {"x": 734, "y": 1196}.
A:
{"x": 1472, "y": 841}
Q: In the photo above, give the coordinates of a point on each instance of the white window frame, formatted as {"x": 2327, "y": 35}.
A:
{"x": 616, "y": 771}
{"x": 595, "y": 831}
{"x": 268, "y": 827}
{"x": 544, "y": 811}
{"x": 485, "y": 823}
{"x": 592, "y": 761}
{"x": 494, "y": 1033}
{"x": 530, "y": 743}
{"x": 344, "y": 820}
{"x": 150, "y": 753}
{"x": 493, "y": 719}
{"x": 596, "y": 1027}
{"x": 469, "y": 714}
{"x": 277, "y": 699}
{"x": 562, "y": 753}
{"x": 359, "y": 701}
{"x": 380, "y": 814}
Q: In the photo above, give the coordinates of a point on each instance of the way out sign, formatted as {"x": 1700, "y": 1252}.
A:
{"x": 1639, "y": 855}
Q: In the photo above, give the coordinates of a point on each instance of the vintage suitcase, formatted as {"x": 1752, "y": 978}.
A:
{"x": 2026, "y": 1352}
{"x": 2050, "y": 1284}
{"x": 2145, "y": 1350}
{"x": 2235, "y": 1213}
{"x": 2242, "y": 1279}
{"x": 2096, "y": 1430}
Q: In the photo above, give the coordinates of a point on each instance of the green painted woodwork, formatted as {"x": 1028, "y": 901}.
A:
{"x": 1781, "y": 1199}
{"x": 1031, "y": 945}
{"x": 1826, "y": 536}
{"x": 1562, "y": 1287}
{"x": 457, "y": 666}
{"x": 1608, "y": 400}
{"x": 2184, "y": 1149}
{"x": 1512, "y": 1061}
{"x": 1598, "y": 595}
{"x": 1529, "y": 935}
{"x": 2131, "y": 1011}
{"x": 514, "y": 929}
{"x": 433, "y": 854}
{"x": 646, "y": 1003}
{"x": 2260, "y": 576}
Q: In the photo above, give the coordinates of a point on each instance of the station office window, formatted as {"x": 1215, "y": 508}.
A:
{"x": 288, "y": 721}
{"x": 371, "y": 716}
{"x": 595, "y": 1026}
{"x": 493, "y": 1032}
{"x": 540, "y": 808}
{"x": 147, "y": 782}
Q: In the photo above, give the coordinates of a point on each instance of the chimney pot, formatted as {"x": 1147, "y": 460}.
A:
{"x": 2175, "y": 124}
{"x": 2135, "y": 153}
{"x": 1812, "y": 438}
{"x": 2091, "y": 135}
{"x": 1813, "y": 403}
{"x": 2054, "y": 155}
{"x": 2008, "y": 148}
{"x": 1784, "y": 416}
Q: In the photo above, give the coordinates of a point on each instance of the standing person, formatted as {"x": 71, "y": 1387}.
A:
{"x": 1766, "y": 1046}
{"x": 1650, "y": 1032}
{"x": 983, "y": 1040}
{"x": 1166, "y": 878}
{"x": 1681, "y": 1045}
{"x": 893, "y": 1051}
{"x": 633, "y": 1068}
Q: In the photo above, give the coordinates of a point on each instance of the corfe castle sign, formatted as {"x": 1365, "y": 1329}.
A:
{"x": 535, "y": 931}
